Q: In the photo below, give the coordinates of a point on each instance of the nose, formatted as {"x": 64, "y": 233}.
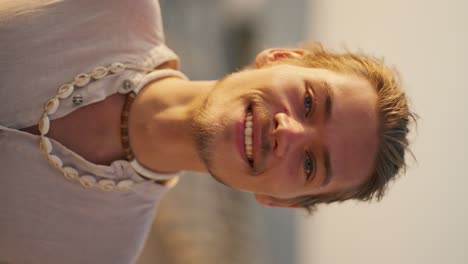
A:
{"x": 288, "y": 133}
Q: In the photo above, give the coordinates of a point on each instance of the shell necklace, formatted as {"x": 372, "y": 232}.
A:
{"x": 65, "y": 91}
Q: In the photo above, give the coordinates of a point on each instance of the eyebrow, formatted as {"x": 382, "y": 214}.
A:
{"x": 328, "y": 101}
{"x": 328, "y": 171}
{"x": 328, "y": 113}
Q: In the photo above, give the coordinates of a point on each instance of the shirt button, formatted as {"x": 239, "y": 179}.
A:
{"x": 77, "y": 99}
{"x": 127, "y": 85}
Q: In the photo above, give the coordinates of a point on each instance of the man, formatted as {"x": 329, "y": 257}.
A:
{"x": 287, "y": 131}
{"x": 96, "y": 123}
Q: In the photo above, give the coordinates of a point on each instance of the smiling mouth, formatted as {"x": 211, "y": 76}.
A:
{"x": 248, "y": 136}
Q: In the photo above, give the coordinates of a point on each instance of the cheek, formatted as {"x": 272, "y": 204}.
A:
{"x": 286, "y": 100}
{"x": 284, "y": 180}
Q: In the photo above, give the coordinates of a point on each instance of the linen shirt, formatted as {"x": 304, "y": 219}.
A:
{"x": 45, "y": 218}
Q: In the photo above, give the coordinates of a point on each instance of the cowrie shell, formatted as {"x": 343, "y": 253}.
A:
{"x": 44, "y": 125}
{"x": 52, "y": 106}
{"x": 45, "y": 145}
{"x": 99, "y": 72}
{"x": 87, "y": 181}
{"x": 117, "y": 67}
{"x": 65, "y": 91}
{"x": 55, "y": 161}
{"x": 106, "y": 185}
{"x": 82, "y": 79}
{"x": 125, "y": 184}
{"x": 70, "y": 173}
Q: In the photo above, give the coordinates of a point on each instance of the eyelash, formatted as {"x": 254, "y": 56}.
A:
{"x": 308, "y": 162}
{"x": 309, "y": 104}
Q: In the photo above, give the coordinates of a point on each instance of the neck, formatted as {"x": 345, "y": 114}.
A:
{"x": 160, "y": 124}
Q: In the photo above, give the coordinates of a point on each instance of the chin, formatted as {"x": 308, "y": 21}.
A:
{"x": 205, "y": 134}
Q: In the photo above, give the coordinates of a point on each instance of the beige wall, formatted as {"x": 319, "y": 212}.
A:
{"x": 424, "y": 218}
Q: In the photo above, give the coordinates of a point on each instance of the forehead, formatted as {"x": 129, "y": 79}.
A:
{"x": 351, "y": 134}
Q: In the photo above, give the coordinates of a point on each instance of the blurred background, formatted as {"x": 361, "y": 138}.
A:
{"x": 423, "y": 218}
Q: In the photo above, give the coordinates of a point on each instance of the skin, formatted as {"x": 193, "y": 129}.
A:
{"x": 201, "y": 121}
{"x": 178, "y": 125}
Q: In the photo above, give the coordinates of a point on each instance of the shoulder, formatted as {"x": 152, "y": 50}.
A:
{"x": 12, "y": 9}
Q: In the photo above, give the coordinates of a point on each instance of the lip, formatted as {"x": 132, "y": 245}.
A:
{"x": 256, "y": 136}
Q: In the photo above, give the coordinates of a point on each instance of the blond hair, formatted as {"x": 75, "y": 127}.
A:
{"x": 394, "y": 120}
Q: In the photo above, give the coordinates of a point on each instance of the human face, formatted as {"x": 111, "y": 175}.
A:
{"x": 314, "y": 131}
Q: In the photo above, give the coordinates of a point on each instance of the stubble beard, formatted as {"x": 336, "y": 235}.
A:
{"x": 206, "y": 129}
{"x": 204, "y": 132}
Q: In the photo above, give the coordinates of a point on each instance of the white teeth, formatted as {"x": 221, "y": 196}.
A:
{"x": 248, "y": 135}
{"x": 248, "y": 131}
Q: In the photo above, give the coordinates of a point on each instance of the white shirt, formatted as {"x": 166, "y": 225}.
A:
{"x": 45, "y": 218}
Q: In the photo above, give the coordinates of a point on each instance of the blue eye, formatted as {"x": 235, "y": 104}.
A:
{"x": 308, "y": 103}
{"x": 308, "y": 166}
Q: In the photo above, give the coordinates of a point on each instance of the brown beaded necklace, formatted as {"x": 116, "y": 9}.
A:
{"x": 124, "y": 126}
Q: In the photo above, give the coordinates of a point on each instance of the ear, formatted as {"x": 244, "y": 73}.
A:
{"x": 273, "y": 202}
{"x": 271, "y": 55}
